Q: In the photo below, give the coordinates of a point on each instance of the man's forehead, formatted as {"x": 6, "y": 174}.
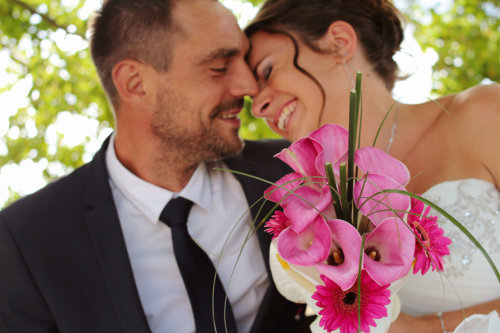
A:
{"x": 211, "y": 29}
{"x": 203, "y": 14}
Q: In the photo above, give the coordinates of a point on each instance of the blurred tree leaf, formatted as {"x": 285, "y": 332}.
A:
{"x": 466, "y": 36}
{"x": 254, "y": 128}
{"x": 62, "y": 80}
{"x": 35, "y": 34}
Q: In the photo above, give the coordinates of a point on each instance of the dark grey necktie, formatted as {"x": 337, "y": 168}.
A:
{"x": 198, "y": 273}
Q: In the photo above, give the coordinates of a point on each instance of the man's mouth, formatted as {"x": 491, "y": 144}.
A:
{"x": 284, "y": 116}
{"x": 228, "y": 115}
{"x": 228, "y": 110}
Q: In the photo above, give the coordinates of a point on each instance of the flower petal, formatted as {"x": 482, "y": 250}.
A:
{"x": 394, "y": 258}
{"x": 346, "y": 238}
{"x": 340, "y": 307}
{"x": 293, "y": 286}
{"x": 375, "y": 161}
{"x": 301, "y": 157}
{"x": 283, "y": 187}
{"x": 382, "y": 205}
{"x": 307, "y": 248}
{"x": 334, "y": 141}
{"x": 305, "y": 205}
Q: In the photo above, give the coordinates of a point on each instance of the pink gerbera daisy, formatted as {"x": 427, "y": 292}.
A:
{"x": 433, "y": 245}
{"x": 340, "y": 308}
{"x": 277, "y": 223}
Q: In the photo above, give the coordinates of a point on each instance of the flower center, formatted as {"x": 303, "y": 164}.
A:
{"x": 306, "y": 242}
{"x": 335, "y": 258}
{"x": 350, "y": 298}
{"x": 421, "y": 233}
{"x": 373, "y": 253}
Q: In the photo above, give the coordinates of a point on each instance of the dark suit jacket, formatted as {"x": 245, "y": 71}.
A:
{"x": 64, "y": 265}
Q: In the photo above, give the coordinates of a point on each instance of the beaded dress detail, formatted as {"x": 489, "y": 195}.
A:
{"x": 468, "y": 279}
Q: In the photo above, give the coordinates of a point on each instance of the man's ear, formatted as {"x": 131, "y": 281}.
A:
{"x": 342, "y": 39}
{"x": 128, "y": 76}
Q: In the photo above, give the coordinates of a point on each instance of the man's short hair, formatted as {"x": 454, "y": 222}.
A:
{"x": 140, "y": 30}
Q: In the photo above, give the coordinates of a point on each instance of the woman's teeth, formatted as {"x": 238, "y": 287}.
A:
{"x": 285, "y": 115}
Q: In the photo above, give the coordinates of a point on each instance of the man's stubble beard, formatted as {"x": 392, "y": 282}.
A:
{"x": 192, "y": 144}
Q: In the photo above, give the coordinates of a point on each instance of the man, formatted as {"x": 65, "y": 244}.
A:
{"x": 88, "y": 252}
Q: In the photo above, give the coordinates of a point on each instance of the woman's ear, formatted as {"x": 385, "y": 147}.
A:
{"x": 342, "y": 39}
{"x": 128, "y": 77}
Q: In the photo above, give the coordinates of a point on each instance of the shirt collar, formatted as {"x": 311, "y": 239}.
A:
{"x": 150, "y": 199}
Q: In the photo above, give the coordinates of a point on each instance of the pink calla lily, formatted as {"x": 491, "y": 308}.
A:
{"x": 307, "y": 204}
{"x": 378, "y": 207}
{"x": 389, "y": 251}
{"x": 306, "y": 248}
{"x": 375, "y": 161}
{"x": 301, "y": 156}
{"x": 301, "y": 203}
{"x": 334, "y": 142}
{"x": 283, "y": 189}
{"x": 347, "y": 239}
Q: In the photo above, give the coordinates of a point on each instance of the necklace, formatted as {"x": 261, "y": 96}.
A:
{"x": 393, "y": 130}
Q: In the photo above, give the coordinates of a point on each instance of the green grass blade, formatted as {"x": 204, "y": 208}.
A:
{"x": 334, "y": 190}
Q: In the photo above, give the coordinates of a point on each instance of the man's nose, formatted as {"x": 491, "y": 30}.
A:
{"x": 244, "y": 83}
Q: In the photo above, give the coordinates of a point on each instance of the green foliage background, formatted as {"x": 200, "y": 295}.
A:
{"x": 465, "y": 36}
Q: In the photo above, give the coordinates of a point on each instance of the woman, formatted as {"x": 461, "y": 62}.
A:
{"x": 305, "y": 54}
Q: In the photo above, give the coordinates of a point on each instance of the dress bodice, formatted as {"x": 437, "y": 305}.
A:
{"x": 468, "y": 279}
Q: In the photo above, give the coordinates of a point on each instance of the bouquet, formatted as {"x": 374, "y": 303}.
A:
{"x": 349, "y": 232}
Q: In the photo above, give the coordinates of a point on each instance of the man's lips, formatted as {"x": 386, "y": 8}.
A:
{"x": 228, "y": 115}
{"x": 228, "y": 110}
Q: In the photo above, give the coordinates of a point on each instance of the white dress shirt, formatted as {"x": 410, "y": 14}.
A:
{"x": 218, "y": 211}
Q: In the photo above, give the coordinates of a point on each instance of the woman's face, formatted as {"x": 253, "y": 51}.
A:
{"x": 289, "y": 100}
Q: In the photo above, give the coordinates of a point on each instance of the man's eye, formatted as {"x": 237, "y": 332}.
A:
{"x": 219, "y": 69}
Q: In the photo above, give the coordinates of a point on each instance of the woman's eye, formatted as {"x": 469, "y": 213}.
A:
{"x": 266, "y": 72}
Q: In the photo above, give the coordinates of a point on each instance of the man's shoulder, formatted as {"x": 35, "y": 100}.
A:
{"x": 62, "y": 195}
{"x": 50, "y": 201}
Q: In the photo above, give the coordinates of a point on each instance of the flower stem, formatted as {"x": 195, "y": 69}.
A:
{"x": 334, "y": 190}
{"x": 351, "y": 149}
{"x": 359, "y": 280}
{"x": 344, "y": 199}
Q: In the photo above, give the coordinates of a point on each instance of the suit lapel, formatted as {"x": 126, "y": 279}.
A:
{"x": 254, "y": 190}
{"x": 107, "y": 239}
{"x": 273, "y": 303}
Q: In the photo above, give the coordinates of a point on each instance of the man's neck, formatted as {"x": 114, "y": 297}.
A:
{"x": 170, "y": 170}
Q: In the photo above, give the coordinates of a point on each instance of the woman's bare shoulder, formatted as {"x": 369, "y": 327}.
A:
{"x": 477, "y": 122}
{"x": 479, "y": 102}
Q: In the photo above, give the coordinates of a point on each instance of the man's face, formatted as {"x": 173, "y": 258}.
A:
{"x": 201, "y": 94}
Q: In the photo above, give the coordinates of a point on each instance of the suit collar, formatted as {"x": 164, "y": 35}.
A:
{"x": 107, "y": 239}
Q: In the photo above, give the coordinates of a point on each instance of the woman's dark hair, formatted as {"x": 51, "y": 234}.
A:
{"x": 376, "y": 22}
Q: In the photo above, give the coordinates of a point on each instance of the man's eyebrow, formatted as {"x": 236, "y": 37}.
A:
{"x": 223, "y": 53}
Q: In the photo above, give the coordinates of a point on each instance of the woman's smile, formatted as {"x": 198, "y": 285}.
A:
{"x": 282, "y": 118}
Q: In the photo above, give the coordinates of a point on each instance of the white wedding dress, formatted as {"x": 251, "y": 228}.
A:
{"x": 468, "y": 279}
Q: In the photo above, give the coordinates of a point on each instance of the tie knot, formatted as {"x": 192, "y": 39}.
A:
{"x": 176, "y": 211}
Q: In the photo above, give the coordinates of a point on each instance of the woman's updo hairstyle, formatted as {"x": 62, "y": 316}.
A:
{"x": 376, "y": 22}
